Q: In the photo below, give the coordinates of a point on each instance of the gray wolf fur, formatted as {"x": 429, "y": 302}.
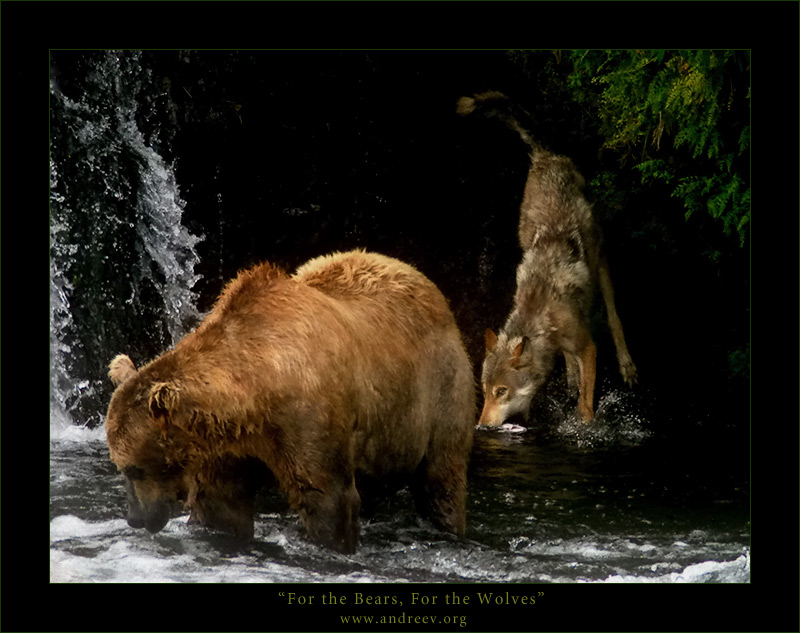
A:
{"x": 562, "y": 260}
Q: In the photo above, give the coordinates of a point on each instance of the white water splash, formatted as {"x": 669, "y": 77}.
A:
{"x": 615, "y": 423}
{"x": 124, "y": 198}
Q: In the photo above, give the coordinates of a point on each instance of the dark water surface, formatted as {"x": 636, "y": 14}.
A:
{"x": 562, "y": 503}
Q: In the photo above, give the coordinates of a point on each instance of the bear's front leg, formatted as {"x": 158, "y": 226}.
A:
{"x": 231, "y": 514}
{"x": 223, "y": 495}
{"x": 331, "y": 516}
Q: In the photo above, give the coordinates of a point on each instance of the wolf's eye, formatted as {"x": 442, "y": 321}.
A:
{"x": 500, "y": 391}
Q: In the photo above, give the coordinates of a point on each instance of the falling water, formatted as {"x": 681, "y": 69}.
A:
{"x": 121, "y": 261}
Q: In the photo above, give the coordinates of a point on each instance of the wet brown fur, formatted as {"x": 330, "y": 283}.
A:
{"x": 351, "y": 369}
{"x": 562, "y": 260}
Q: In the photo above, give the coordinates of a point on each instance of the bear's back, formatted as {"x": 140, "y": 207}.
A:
{"x": 371, "y": 277}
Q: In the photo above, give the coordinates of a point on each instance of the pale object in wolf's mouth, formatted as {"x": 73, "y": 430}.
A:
{"x": 503, "y": 428}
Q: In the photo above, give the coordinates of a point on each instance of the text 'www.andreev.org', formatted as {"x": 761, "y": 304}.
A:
{"x": 405, "y": 618}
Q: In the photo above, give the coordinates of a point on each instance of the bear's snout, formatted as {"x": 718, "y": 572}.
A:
{"x": 156, "y": 516}
{"x": 151, "y": 515}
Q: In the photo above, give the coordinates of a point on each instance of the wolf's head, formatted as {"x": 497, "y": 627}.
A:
{"x": 513, "y": 371}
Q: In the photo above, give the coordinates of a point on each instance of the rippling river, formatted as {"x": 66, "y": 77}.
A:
{"x": 566, "y": 503}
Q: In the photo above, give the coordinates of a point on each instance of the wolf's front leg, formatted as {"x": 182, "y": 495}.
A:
{"x": 587, "y": 362}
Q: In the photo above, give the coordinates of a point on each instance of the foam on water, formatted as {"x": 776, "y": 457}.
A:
{"x": 648, "y": 561}
{"x": 734, "y": 571}
{"x": 62, "y": 430}
{"x": 109, "y": 551}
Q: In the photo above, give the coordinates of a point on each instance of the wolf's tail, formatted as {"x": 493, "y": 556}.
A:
{"x": 495, "y": 104}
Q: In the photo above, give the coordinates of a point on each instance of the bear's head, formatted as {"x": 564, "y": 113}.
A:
{"x": 150, "y": 451}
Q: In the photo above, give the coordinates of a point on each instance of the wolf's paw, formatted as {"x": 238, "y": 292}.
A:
{"x": 628, "y": 371}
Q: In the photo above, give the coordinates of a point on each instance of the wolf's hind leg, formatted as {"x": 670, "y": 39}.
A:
{"x": 626, "y": 366}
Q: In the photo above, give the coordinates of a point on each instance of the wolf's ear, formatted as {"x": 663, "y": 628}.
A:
{"x": 164, "y": 401}
{"x": 517, "y": 359}
{"x": 121, "y": 369}
{"x": 491, "y": 340}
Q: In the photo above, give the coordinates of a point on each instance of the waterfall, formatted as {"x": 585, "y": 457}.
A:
{"x": 121, "y": 260}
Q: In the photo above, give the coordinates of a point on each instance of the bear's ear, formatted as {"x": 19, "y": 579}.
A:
{"x": 164, "y": 400}
{"x": 121, "y": 369}
{"x": 491, "y": 340}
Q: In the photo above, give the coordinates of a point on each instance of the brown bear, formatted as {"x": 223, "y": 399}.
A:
{"x": 347, "y": 376}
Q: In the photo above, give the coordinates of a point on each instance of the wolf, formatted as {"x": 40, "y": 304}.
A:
{"x": 562, "y": 260}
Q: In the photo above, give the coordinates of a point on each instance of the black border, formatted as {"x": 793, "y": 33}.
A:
{"x": 769, "y": 603}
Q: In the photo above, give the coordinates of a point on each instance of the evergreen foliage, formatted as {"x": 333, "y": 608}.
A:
{"x": 681, "y": 117}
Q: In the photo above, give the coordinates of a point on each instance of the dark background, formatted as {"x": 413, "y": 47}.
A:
{"x": 286, "y": 155}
